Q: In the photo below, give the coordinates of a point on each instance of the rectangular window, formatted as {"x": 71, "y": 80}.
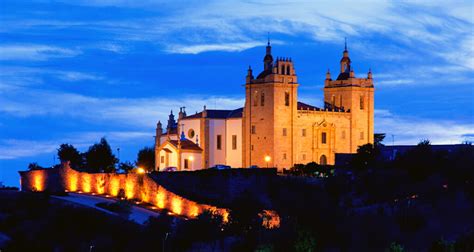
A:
{"x": 255, "y": 99}
{"x": 362, "y": 102}
{"x": 303, "y": 132}
{"x": 219, "y": 142}
{"x": 251, "y": 147}
{"x": 234, "y": 142}
{"x": 253, "y": 129}
{"x": 262, "y": 99}
{"x": 162, "y": 158}
{"x": 361, "y": 135}
{"x": 287, "y": 99}
{"x": 284, "y": 131}
{"x": 323, "y": 137}
{"x": 186, "y": 163}
{"x": 284, "y": 156}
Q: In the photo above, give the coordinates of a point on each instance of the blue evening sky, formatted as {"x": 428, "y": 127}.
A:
{"x": 74, "y": 71}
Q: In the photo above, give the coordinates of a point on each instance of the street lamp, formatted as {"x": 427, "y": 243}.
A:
{"x": 267, "y": 159}
{"x": 140, "y": 170}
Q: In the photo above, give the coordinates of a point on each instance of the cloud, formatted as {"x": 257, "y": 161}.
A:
{"x": 142, "y": 112}
{"x": 19, "y": 148}
{"x": 195, "y": 49}
{"x": 35, "y": 52}
{"x": 410, "y": 130}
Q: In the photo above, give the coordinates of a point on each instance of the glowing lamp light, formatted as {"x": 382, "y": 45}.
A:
{"x": 140, "y": 170}
{"x": 191, "y": 158}
{"x": 267, "y": 159}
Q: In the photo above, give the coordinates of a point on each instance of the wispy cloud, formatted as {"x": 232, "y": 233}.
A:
{"x": 19, "y": 148}
{"x": 35, "y": 52}
{"x": 195, "y": 49}
{"x": 410, "y": 130}
{"x": 144, "y": 112}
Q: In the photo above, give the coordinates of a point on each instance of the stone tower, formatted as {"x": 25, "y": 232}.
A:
{"x": 269, "y": 113}
{"x": 355, "y": 95}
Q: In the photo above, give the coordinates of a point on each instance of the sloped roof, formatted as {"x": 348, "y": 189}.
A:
{"x": 304, "y": 106}
{"x": 219, "y": 114}
{"x": 186, "y": 144}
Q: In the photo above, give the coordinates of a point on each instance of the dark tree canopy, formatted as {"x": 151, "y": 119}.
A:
{"x": 378, "y": 139}
{"x": 365, "y": 157}
{"x": 67, "y": 152}
{"x": 34, "y": 166}
{"x": 146, "y": 158}
{"x": 126, "y": 166}
{"x": 100, "y": 158}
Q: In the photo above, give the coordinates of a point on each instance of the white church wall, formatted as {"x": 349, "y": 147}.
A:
{"x": 234, "y": 156}
{"x": 217, "y": 127}
{"x": 191, "y": 124}
{"x": 172, "y": 157}
{"x": 195, "y": 161}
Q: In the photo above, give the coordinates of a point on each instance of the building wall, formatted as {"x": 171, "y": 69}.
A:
{"x": 195, "y": 164}
{"x": 191, "y": 124}
{"x": 362, "y": 120}
{"x": 217, "y": 127}
{"x": 172, "y": 157}
{"x": 309, "y": 148}
{"x": 234, "y": 157}
{"x": 135, "y": 186}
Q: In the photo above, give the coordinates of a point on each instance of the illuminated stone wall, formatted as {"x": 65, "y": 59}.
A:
{"x": 138, "y": 187}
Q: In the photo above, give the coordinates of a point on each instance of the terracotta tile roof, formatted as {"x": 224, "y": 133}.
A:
{"x": 186, "y": 144}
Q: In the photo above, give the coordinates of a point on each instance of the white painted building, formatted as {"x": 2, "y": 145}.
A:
{"x": 202, "y": 140}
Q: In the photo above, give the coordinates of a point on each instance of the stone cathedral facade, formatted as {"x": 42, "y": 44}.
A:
{"x": 273, "y": 129}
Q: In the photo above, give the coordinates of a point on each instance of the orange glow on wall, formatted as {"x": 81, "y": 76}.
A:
{"x": 100, "y": 185}
{"x": 270, "y": 219}
{"x": 194, "y": 212}
{"x": 144, "y": 195}
{"x": 176, "y": 205}
{"x": 114, "y": 186}
{"x": 86, "y": 183}
{"x": 72, "y": 182}
{"x": 136, "y": 186}
{"x": 160, "y": 199}
{"x": 38, "y": 182}
{"x": 129, "y": 186}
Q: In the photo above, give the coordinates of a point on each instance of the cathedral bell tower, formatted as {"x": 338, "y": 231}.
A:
{"x": 269, "y": 114}
{"x": 355, "y": 95}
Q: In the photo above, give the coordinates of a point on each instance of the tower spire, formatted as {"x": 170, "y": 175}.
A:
{"x": 268, "y": 36}
{"x": 345, "y": 43}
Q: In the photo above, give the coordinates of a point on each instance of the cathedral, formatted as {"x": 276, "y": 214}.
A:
{"x": 273, "y": 129}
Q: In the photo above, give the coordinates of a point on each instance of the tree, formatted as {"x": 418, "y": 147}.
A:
{"x": 99, "y": 157}
{"x": 146, "y": 159}
{"x": 365, "y": 157}
{"x": 378, "y": 139}
{"x": 67, "y": 152}
{"x": 34, "y": 166}
{"x": 126, "y": 166}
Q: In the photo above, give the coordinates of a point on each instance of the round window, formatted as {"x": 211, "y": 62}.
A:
{"x": 191, "y": 133}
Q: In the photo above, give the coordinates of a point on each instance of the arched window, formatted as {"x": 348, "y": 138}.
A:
{"x": 262, "y": 99}
{"x": 288, "y": 70}
{"x": 282, "y": 70}
{"x": 323, "y": 160}
{"x": 287, "y": 99}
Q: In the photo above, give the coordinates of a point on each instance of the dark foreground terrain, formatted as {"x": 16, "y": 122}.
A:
{"x": 421, "y": 201}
